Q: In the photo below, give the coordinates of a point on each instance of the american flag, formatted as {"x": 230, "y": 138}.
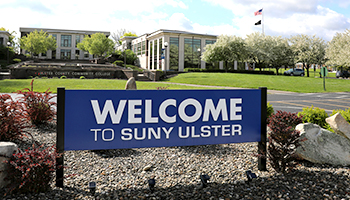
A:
{"x": 259, "y": 12}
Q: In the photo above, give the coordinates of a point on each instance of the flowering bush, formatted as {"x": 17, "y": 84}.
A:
{"x": 283, "y": 140}
{"x": 39, "y": 106}
{"x": 12, "y": 119}
{"x": 31, "y": 170}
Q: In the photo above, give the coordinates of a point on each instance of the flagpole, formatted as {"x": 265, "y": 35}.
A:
{"x": 262, "y": 21}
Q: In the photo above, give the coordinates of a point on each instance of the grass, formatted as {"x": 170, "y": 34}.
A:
{"x": 41, "y": 85}
{"x": 272, "y": 82}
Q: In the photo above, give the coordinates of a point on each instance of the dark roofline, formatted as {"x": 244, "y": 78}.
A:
{"x": 179, "y": 32}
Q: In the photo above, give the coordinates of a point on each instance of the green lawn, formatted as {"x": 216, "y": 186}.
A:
{"x": 272, "y": 82}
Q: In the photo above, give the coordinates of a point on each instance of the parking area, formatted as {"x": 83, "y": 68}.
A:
{"x": 295, "y": 102}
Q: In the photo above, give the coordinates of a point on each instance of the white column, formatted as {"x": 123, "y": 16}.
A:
{"x": 235, "y": 65}
{"x": 221, "y": 65}
{"x": 246, "y": 66}
{"x": 152, "y": 61}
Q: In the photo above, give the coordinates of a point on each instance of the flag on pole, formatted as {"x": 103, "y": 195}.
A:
{"x": 259, "y": 12}
{"x": 258, "y": 23}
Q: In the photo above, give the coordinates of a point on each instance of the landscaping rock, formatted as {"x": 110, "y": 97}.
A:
{"x": 131, "y": 84}
{"x": 322, "y": 146}
{"x": 6, "y": 151}
{"x": 339, "y": 125}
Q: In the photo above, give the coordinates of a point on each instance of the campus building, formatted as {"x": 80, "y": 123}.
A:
{"x": 67, "y": 41}
{"x": 4, "y": 38}
{"x": 170, "y": 50}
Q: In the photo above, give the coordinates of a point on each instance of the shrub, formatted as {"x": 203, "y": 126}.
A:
{"x": 270, "y": 110}
{"x": 283, "y": 140}
{"x": 82, "y": 77}
{"x": 38, "y": 106}
{"x": 30, "y": 77}
{"x": 16, "y": 60}
{"x": 314, "y": 115}
{"x": 63, "y": 77}
{"x": 12, "y": 119}
{"x": 31, "y": 171}
{"x": 119, "y": 63}
{"x": 344, "y": 113}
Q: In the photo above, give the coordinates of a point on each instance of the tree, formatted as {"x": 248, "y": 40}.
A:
{"x": 227, "y": 49}
{"x": 279, "y": 53}
{"x": 257, "y": 47}
{"x": 98, "y": 44}
{"x": 308, "y": 50}
{"x": 338, "y": 51}
{"x": 37, "y": 42}
{"x": 119, "y": 34}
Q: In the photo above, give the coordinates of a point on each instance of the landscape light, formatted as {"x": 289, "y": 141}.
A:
{"x": 151, "y": 184}
{"x": 92, "y": 187}
{"x": 204, "y": 180}
{"x": 250, "y": 175}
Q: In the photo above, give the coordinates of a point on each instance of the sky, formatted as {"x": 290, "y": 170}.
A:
{"x": 324, "y": 18}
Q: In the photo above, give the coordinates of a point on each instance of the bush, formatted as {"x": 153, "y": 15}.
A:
{"x": 283, "y": 140}
{"x": 63, "y": 77}
{"x": 12, "y": 119}
{"x": 229, "y": 71}
{"x": 270, "y": 110}
{"x": 31, "y": 171}
{"x": 314, "y": 115}
{"x": 38, "y": 106}
{"x": 82, "y": 77}
{"x": 16, "y": 60}
{"x": 119, "y": 63}
{"x": 162, "y": 88}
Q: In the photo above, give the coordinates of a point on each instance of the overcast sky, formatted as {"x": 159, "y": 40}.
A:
{"x": 232, "y": 17}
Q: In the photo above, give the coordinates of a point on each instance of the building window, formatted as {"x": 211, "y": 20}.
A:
{"x": 43, "y": 54}
{"x": 77, "y": 53}
{"x": 209, "y": 42}
{"x": 86, "y": 54}
{"x": 66, "y": 40}
{"x": 1, "y": 41}
{"x": 53, "y": 56}
{"x": 139, "y": 48}
{"x": 174, "y": 54}
{"x": 65, "y": 53}
{"x": 160, "y": 50}
{"x": 143, "y": 47}
{"x": 192, "y": 56}
{"x": 77, "y": 40}
{"x": 55, "y": 36}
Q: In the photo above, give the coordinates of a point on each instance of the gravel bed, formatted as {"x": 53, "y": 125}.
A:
{"x": 123, "y": 174}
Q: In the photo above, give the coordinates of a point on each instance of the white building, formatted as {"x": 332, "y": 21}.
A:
{"x": 67, "y": 41}
{"x": 170, "y": 49}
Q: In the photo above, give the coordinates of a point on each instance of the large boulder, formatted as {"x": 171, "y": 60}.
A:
{"x": 131, "y": 84}
{"x": 339, "y": 125}
{"x": 6, "y": 151}
{"x": 319, "y": 145}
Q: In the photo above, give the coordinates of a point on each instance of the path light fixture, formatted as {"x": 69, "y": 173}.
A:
{"x": 151, "y": 184}
{"x": 204, "y": 180}
{"x": 92, "y": 187}
{"x": 250, "y": 175}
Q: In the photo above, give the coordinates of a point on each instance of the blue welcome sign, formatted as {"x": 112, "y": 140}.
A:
{"x": 117, "y": 119}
